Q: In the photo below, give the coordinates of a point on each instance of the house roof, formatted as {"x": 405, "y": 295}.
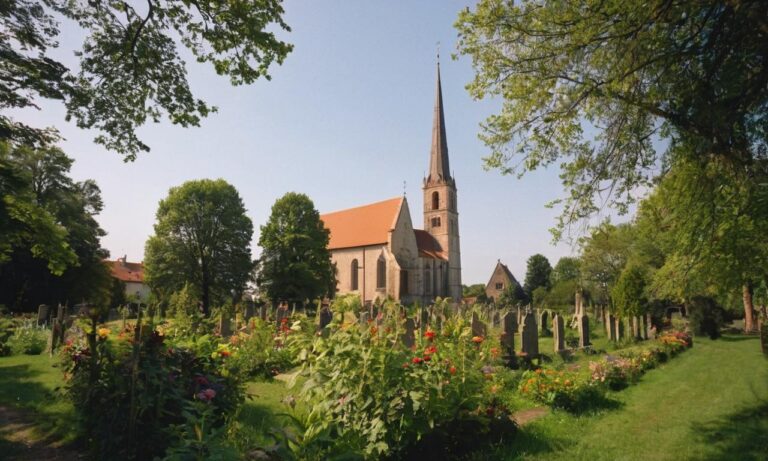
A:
{"x": 362, "y": 226}
{"x": 504, "y": 270}
{"x": 428, "y": 246}
{"x": 125, "y": 271}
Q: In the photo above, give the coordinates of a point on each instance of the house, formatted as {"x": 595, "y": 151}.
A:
{"x": 501, "y": 279}
{"x": 132, "y": 275}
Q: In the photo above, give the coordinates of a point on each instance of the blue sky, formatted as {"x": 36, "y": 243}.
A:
{"x": 345, "y": 120}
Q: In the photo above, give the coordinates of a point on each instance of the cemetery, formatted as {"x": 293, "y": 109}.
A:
{"x": 250, "y": 325}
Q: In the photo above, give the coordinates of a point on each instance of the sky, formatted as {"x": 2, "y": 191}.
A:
{"x": 346, "y": 120}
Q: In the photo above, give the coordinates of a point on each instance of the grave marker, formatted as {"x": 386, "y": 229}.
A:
{"x": 478, "y": 327}
{"x": 558, "y": 333}
{"x": 509, "y": 325}
{"x": 529, "y": 336}
{"x": 409, "y": 338}
{"x": 43, "y": 311}
{"x": 584, "y": 331}
{"x": 543, "y": 321}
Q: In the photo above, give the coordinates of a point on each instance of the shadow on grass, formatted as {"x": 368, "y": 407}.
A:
{"x": 20, "y": 389}
{"x": 730, "y": 338}
{"x": 595, "y": 404}
{"x": 741, "y": 435}
{"x": 259, "y": 421}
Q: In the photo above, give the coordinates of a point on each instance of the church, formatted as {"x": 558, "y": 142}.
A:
{"x": 379, "y": 254}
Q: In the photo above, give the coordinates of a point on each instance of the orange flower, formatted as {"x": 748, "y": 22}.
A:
{"x": 430, "y": 350}
{"x": 495, "y": 352}
{"x": 477, "y": 339}
{"x": 417, "y": 360}
{"x": 374, "y": 330}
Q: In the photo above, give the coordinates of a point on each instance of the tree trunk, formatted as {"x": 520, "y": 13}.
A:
{"x": 206, "y": 289}
{"x": 749, "y": 310}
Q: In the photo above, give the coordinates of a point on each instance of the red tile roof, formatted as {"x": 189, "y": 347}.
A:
{"x": 127, "y": 272}
{"x": 363, "y": 225}
{"x": 428, "y": 246}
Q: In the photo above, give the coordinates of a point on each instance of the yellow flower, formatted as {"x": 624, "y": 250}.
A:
{"x": 103, "y": 332}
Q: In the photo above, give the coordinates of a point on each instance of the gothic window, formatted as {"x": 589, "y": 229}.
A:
{"x": 403, "y": 283}
{"x": 435, "y": 200}
{"x": 381, "y": 273}
{"x": 428, "y": 282}
{"x": 353, "y": 275}
{"x": 436, "y": 221}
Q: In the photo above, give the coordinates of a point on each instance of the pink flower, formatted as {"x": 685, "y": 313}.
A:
{"x": 206, "y": 395}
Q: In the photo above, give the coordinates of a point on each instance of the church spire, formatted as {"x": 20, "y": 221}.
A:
{"x": 439, "y": 169}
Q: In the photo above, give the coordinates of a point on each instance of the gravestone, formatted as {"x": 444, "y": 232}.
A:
{"x": 558, "y": 333}
{"x": 409, "y": 338}
{"x": 509, "y": 325}
{"x": 43, "y": 311}
{"x": 618, "y": 327}
{"x": 112, "y": 315}
{"x": 584, "y": 331}
{"x": 478, "y": 327}
{"x": 423, "y": 319}
{"x": 529, "y": 336}
{"x": 610, "y": 325}
{"x": 263, "y": 309}
{"x": 364, "y": 316}
{"x": 326, "y": 316}
{"x": 543, "y": 321}
{"x": 58, "y": 330}
{"x": 225, "y": 326}
{"x": 636, "y": 328}
{"x": 496, "y": 318}
{"x": 248, "y": 312}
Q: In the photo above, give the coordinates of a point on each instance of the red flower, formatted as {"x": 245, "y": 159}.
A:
{"x": 427, "y": 358}
{"x": 430, "y": 350}
{"x": 452, "y": 370}
{"x": 417, "y": 360}
{"x": 429, "y": 334}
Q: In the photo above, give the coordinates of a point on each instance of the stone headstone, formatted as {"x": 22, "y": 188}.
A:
{"x": 409, "y": 337}
{"x": 364, "y": 316}
{"x": 326, "y": 316}
{"x": 225, "y": 326}
{"x": 43, "y": 311}
{"x": 478, "y": 327}
{"x": 558, "y": 333}
{"x": 423, "y": 319}
{"x": 578, "y": 301}
{"x": 509, "y": 325}
{"x": 610, "y": 326}
{"x": 249, "y": 310}
{"x": 543, "y": 321}
{"x": 636, "y": 327}
{"x": 263, "y": 310}
{"x": 584, "y": 331}
{"x": 519, "y": 315}
{"x": 529, "y": 336}
{"x": 618, "y": 328}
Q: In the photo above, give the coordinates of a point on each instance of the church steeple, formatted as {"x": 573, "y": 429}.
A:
{"x": 439, "y": 169}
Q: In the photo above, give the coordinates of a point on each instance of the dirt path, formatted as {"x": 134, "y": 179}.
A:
{"x": 526, "y": 416}
{"x": 20, "y": 441}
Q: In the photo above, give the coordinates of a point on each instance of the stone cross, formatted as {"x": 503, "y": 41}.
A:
{"x": 558, "y": 333}
{"x": 584, "y": 331}
{"x": 529, "y": 336}
{"x": 509, "y": 325}
{"x": 409, "y": 338}
{"x": 478, "y": 327}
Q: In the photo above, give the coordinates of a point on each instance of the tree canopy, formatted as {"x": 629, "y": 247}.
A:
{"x": 591, "y": 84}
{"x": 50, "y": 251}
{"x": 202, "y": 239}
{"x": 130, "y": 65}
{"x": 295, "y": 264}
{"x": 537, "y": 274}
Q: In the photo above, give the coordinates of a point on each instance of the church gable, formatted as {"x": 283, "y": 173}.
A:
{"x": 501, "y": 279}
{"x": 362, "y": 226}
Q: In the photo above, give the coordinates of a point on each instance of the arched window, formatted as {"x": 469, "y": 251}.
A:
{"x": 381, "y": 273}
{"x": 435, "y": 200}
{"x": 436, "y": 221}
{"x": 353, "y": 275}
{"x": 428, "y": 282}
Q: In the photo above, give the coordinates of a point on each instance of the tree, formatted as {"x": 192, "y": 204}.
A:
{"x": 566, "y": 269}
{"x": 604, "y": 255}
{"x": 202, "y": 238}
{"x": 629, "y": 297}
{"x": 52, "y": 252}
{"x": 537, "y": 274}
{"x": 130, "y": 67}
{"x": 295, "y": 264}
{"x": 591, "y": 84}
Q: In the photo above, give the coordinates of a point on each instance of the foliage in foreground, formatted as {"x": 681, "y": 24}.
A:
{"x": 371, "y": 397}
{"x": 138, "y": 396}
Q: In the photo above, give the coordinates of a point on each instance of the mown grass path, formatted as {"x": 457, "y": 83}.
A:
{"x": 709, "y": 403}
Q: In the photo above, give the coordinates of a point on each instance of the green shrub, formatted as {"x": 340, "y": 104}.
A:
{"x": 29, "y": 339}
{"x": 149, "y": 397}
{"x": 706, "y": 317}
{"x": 261, "y": 350}
{"x": 371, "y": 397}
{"x": 560, "y": 389}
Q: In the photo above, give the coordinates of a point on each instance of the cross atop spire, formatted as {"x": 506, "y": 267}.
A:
{"x": 439, "y": 169}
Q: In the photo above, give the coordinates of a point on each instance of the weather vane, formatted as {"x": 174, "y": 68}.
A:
{"x": 403, "y": 188}
{"x": 438, "y": 52}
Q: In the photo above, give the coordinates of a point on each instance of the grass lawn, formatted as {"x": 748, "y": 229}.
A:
{"x": 708, "y": 403}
